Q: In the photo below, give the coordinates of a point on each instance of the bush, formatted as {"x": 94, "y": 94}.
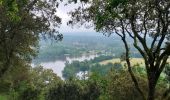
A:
{"x": 29, "y": 94}
{"x": 74, "y": 90}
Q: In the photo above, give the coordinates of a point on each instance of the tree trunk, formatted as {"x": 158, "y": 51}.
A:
{"x": 152, "y": 80}
{"x": 5, "y": 68}
{"x": 151, "y": 93}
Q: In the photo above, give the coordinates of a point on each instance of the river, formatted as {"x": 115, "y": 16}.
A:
{"x": 58, "y": 65}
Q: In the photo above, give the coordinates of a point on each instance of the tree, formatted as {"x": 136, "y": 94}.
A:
{"x": 15, "y": 76}
{"x": 139, "y": 20}
{"x": 22, "y": 22}
{"x": 167, "y": 77}
{"x": 120, "y": 86}
{"x": 75, "y": 89}
{"x": 43, "y": 79}
{"x": 29, "y": 94}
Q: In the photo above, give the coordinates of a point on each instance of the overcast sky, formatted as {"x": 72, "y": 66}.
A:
{"x": 62, "y": 12}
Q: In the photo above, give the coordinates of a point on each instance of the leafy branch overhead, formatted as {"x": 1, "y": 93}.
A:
{"x": 21, "y": 24}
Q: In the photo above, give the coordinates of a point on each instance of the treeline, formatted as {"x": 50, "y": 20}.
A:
{"x": 76, "y": 46}
{"x": 57, "y": 52}
{"x": 101, "y": 58}
{"x": 86, "y": 67}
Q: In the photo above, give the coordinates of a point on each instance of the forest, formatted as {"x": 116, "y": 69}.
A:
{"x": 84, "y": 50}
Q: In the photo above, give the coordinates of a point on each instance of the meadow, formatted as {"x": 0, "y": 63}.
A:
{"x": 134, "y": 61}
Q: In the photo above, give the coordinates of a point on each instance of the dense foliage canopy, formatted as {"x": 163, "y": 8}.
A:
{"x": 21, "y": 24}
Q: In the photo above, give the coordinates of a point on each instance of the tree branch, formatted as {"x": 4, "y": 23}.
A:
{"x": 130, "y": 70}
{"x": 128, "y": 62}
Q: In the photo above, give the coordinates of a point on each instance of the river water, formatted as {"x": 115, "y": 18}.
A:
{"x": 58, "y": 65}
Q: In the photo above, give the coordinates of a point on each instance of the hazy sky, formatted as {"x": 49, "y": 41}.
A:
{"x": 62, "y": 12}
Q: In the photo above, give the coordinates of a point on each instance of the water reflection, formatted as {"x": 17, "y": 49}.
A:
{"x": 58, "y": 65}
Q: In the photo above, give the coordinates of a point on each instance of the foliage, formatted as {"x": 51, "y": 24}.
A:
{"x": 32, "y": 87}
{"x": 75, "y": 67}
{"x": 101, "y": 58}
{"x": 167, "y": 73}
{"x": 21, "y": 24}
{"x": 43, "y": 84}
{"x": 135, "y": 20}
{"x": 101, "y": 69}
{"x": 29, "y": 94}
{"x": 14, "y": 77}
{"x": 72, "y": 69}
{"x": 74, "y": 90}
{"x": 3, "y": 97}
{"x": 43, "y": 79}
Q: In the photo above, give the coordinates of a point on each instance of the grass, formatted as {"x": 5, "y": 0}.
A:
{"x": 134, "y": 61}
{"x": 3, "y": 97}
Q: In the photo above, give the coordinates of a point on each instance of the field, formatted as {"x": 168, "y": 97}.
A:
{"x": 134, "y": 61}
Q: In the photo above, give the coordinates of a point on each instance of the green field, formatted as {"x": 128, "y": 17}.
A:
{"x": 134, "y": 61}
